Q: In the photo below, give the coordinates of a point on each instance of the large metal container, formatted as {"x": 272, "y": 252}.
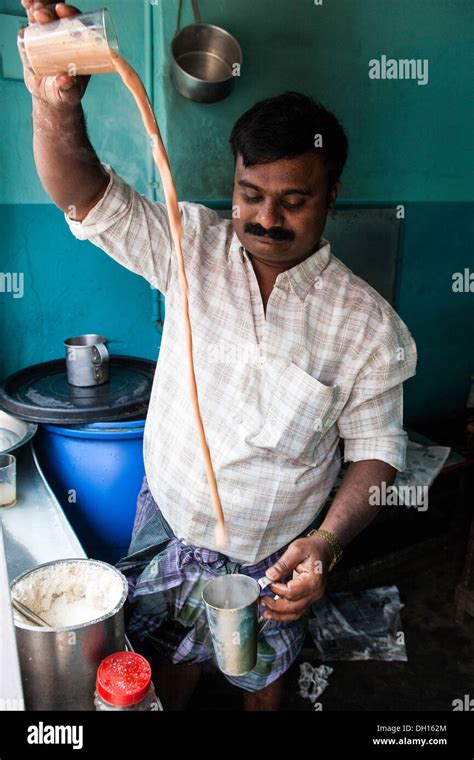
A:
{"x": 59, "y": 665}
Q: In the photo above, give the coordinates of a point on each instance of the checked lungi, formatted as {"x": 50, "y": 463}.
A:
{"x": 165, "y": 608}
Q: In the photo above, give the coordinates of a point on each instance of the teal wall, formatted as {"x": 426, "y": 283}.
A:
{"x": 436, "y": 242}
{"x": 70, "y": 288}
{"x": 408, "y": 143}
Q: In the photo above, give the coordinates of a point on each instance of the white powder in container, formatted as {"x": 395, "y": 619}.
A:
{"x": 70, "y": 592}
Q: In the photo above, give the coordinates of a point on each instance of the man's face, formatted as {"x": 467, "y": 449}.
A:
{"x": 283, "y": 208}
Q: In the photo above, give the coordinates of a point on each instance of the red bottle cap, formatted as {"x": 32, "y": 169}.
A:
{"x": 123, "y": 678}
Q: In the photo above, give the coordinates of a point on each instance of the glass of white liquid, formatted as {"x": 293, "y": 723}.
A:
{"x": 7, "y": 480}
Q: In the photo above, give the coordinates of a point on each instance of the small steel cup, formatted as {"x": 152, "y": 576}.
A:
{"x": 231, "y": 603}
{"x": 87, "y": 360}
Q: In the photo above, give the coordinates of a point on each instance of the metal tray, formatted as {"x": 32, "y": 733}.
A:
{"x": 18, "y": 431}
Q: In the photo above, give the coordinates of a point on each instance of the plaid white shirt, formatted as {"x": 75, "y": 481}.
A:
{"x": 277, "y": 391}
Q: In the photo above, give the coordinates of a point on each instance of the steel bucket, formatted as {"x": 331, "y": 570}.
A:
{"x": 59, "y": 665}
{"x": 205, "y": 60}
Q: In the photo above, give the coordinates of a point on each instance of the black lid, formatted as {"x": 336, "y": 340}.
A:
{"x": 41, "y": 393}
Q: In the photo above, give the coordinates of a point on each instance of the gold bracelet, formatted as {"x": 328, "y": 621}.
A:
{"x": 332, "y": 541}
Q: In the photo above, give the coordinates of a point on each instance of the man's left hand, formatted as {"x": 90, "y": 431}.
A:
{"x": 309, "y": 559}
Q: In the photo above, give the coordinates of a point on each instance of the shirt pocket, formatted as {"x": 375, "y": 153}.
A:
{"x": 300, "y": 412}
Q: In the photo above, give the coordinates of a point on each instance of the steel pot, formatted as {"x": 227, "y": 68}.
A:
{"x": 205, "y": 60}
{"x": 59, "y": 665}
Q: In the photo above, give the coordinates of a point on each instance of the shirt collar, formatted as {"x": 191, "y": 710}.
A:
{"x": 303, "y": 276}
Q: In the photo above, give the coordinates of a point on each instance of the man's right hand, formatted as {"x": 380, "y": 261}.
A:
{"x": 62, "y": 89}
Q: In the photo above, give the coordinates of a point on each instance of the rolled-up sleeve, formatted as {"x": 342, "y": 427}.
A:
{"x": 130, "y": 228}
{"x": 371, "y": 422}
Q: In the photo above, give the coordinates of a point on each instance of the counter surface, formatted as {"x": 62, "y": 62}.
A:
{"x": 32, "y": 532}
{"x": 35, "y": 530}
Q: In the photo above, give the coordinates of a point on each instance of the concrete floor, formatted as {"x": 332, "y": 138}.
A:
{"x": 440, "y": 652}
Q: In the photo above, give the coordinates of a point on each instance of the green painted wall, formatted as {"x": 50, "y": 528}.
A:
{"x": 409, "y": 143}
{"x": 436, "y": 242}
{"x": 70, "y": 288}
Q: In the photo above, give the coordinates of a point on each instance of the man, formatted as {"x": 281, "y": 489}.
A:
{"x": 292, "y": 353}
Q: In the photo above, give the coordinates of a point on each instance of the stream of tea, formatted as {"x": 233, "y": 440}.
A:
{"x": 131, "y": 80}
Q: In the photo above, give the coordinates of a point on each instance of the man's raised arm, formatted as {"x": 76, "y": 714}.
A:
{"x": 67, "y": 164}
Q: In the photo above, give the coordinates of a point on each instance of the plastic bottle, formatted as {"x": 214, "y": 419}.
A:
{"x": 124, "y": 683}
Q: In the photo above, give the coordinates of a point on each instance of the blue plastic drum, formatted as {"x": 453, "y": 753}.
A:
{"x": 96, "y": 471}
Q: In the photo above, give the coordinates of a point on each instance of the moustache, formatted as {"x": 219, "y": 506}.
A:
{"x": 274, "y": 233}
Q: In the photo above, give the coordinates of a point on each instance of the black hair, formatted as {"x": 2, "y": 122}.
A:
{"x": 286, "y": 126}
